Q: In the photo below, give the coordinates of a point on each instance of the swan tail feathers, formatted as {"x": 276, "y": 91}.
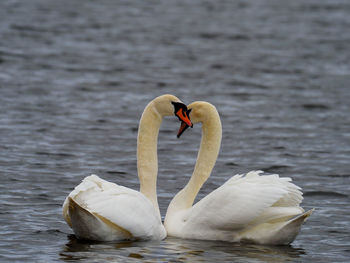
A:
{"x": 291, "y": 229}
{"x": 80, "y": 218}
{"x": 84, "y": 223}
{"x": 304, "y": 216}
{"x": 93, "y": 226}
{"x": 278, "y": 233}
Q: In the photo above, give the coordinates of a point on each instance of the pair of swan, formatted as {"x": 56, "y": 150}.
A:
{"x": 251, "y": 208}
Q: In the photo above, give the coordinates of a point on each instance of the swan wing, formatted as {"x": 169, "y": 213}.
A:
{"x": 241, "y": 201}
{"x": 116, "y": 207}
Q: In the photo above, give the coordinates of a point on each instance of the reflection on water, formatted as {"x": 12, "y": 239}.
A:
{"x": 177, "y": 250}
{"x": 192, "y": 250}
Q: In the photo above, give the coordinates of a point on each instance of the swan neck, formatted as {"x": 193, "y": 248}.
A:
{"x": 208, "y": 152}
{"x": 147, "y": 160}
{"x": 207, "y": 155}
{"x": 206, "y": 159}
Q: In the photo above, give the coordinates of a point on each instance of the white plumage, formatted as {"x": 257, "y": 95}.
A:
{"x": 256, "y": 208}
{"x": 114, "y": 211}
{"x": 239, "y": 205}
{"x": 100, "y": 210}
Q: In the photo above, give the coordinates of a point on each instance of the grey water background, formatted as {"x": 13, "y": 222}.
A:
{"x": 76, "y": 75}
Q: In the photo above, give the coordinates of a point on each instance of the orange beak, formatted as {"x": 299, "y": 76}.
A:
{"x": 184, "y": 117}
{"x": 183, "y": 128}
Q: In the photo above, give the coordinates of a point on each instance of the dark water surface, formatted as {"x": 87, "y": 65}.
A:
{"x": 76, "y": 75}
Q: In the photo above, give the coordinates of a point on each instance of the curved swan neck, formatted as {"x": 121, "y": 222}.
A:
{"x": 208, "y": 153}
{"x": 147, "y": 160}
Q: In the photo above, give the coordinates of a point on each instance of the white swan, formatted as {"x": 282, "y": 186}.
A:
{"x": 99, "y": 210}
{"x": 255, "y": 208}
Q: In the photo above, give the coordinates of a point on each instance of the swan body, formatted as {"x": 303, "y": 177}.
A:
{"x": 100, "y": 210}
{"x": 256, "y": 208}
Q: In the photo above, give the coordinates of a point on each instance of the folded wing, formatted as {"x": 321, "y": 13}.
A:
{"x": 245, "y": 201}
{"x": 97, "y": 203}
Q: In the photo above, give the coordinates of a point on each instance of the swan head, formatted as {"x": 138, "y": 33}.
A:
{"x": 168, "y": 105}
{"x": 198, "y": 111}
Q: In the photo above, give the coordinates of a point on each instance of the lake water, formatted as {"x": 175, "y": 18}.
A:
{"x": 76, "y": 75}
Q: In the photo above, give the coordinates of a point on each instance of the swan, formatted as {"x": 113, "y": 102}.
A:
{"x": 253, "y": 208}
{"x": 103, "y": 211}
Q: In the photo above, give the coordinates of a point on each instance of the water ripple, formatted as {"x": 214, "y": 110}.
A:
{"x": 74, "y": 82}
